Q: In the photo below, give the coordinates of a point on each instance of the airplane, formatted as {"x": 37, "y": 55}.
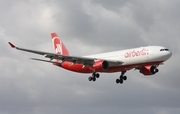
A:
{"x": 145, "y": 59}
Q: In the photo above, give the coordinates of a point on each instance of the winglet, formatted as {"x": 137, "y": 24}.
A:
{"x": 54, "y": 35}
{"x": 12, "y": 45}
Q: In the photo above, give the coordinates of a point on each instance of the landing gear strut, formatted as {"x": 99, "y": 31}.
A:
{"x": 94, "y": 76}
{"x": 121, "y": 78}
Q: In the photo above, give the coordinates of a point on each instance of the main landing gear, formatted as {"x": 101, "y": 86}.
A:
{"x": 121, "y": 78}
{"x": 94, "y": 76}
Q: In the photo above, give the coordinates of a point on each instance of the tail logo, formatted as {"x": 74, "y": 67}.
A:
{"x": 57, "y": 45}
{"x": 58, "y": 49}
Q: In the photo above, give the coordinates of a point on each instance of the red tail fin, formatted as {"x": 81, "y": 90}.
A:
{"x": 59, "y": 47}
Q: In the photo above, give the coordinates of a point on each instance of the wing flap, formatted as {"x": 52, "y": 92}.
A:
{"x": 75, "y": 59}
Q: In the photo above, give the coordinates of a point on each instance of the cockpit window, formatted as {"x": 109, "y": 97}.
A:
{"x": 164, "y": 49}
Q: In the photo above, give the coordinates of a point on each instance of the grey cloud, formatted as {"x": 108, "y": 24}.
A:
{"x": 92, "y": 25}
{"x": 112, "y": 5}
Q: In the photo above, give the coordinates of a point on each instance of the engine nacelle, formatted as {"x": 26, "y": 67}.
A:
{"x": 101, "y": 65}
{"x": 149, "y": 70}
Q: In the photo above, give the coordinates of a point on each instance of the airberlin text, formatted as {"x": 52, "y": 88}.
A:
{"x": 136, "y": 53}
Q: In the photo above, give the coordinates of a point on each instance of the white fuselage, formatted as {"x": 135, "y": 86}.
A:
{"x": 136, "y": 55}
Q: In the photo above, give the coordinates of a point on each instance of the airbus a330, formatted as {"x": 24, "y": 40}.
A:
{"x": 145, "y": 59}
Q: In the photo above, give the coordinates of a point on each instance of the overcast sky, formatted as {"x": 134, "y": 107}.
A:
{"x": 87, "y": 27}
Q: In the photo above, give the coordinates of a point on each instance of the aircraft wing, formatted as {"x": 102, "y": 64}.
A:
{"x": 74, "y": 59}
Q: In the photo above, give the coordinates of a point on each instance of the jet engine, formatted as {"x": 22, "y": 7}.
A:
{"x": 101, "y": 65}
{"x": 149, "y": 70}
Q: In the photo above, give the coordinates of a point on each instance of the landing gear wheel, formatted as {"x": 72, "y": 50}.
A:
{"x": 120, "y": 81}
{"x": 94, "y": 79}
{"x": 94, "y": 76}
{"x": 90, "y": 78}
{"x": 124, "y": 77}
{"x": 117, "y": 81}
{"x": 97, "y": 75}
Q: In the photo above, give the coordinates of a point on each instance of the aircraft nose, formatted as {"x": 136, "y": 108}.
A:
{"x": 169, "y": 54}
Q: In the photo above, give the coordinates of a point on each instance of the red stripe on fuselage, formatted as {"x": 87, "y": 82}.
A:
{"x": 80, "y": 69}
